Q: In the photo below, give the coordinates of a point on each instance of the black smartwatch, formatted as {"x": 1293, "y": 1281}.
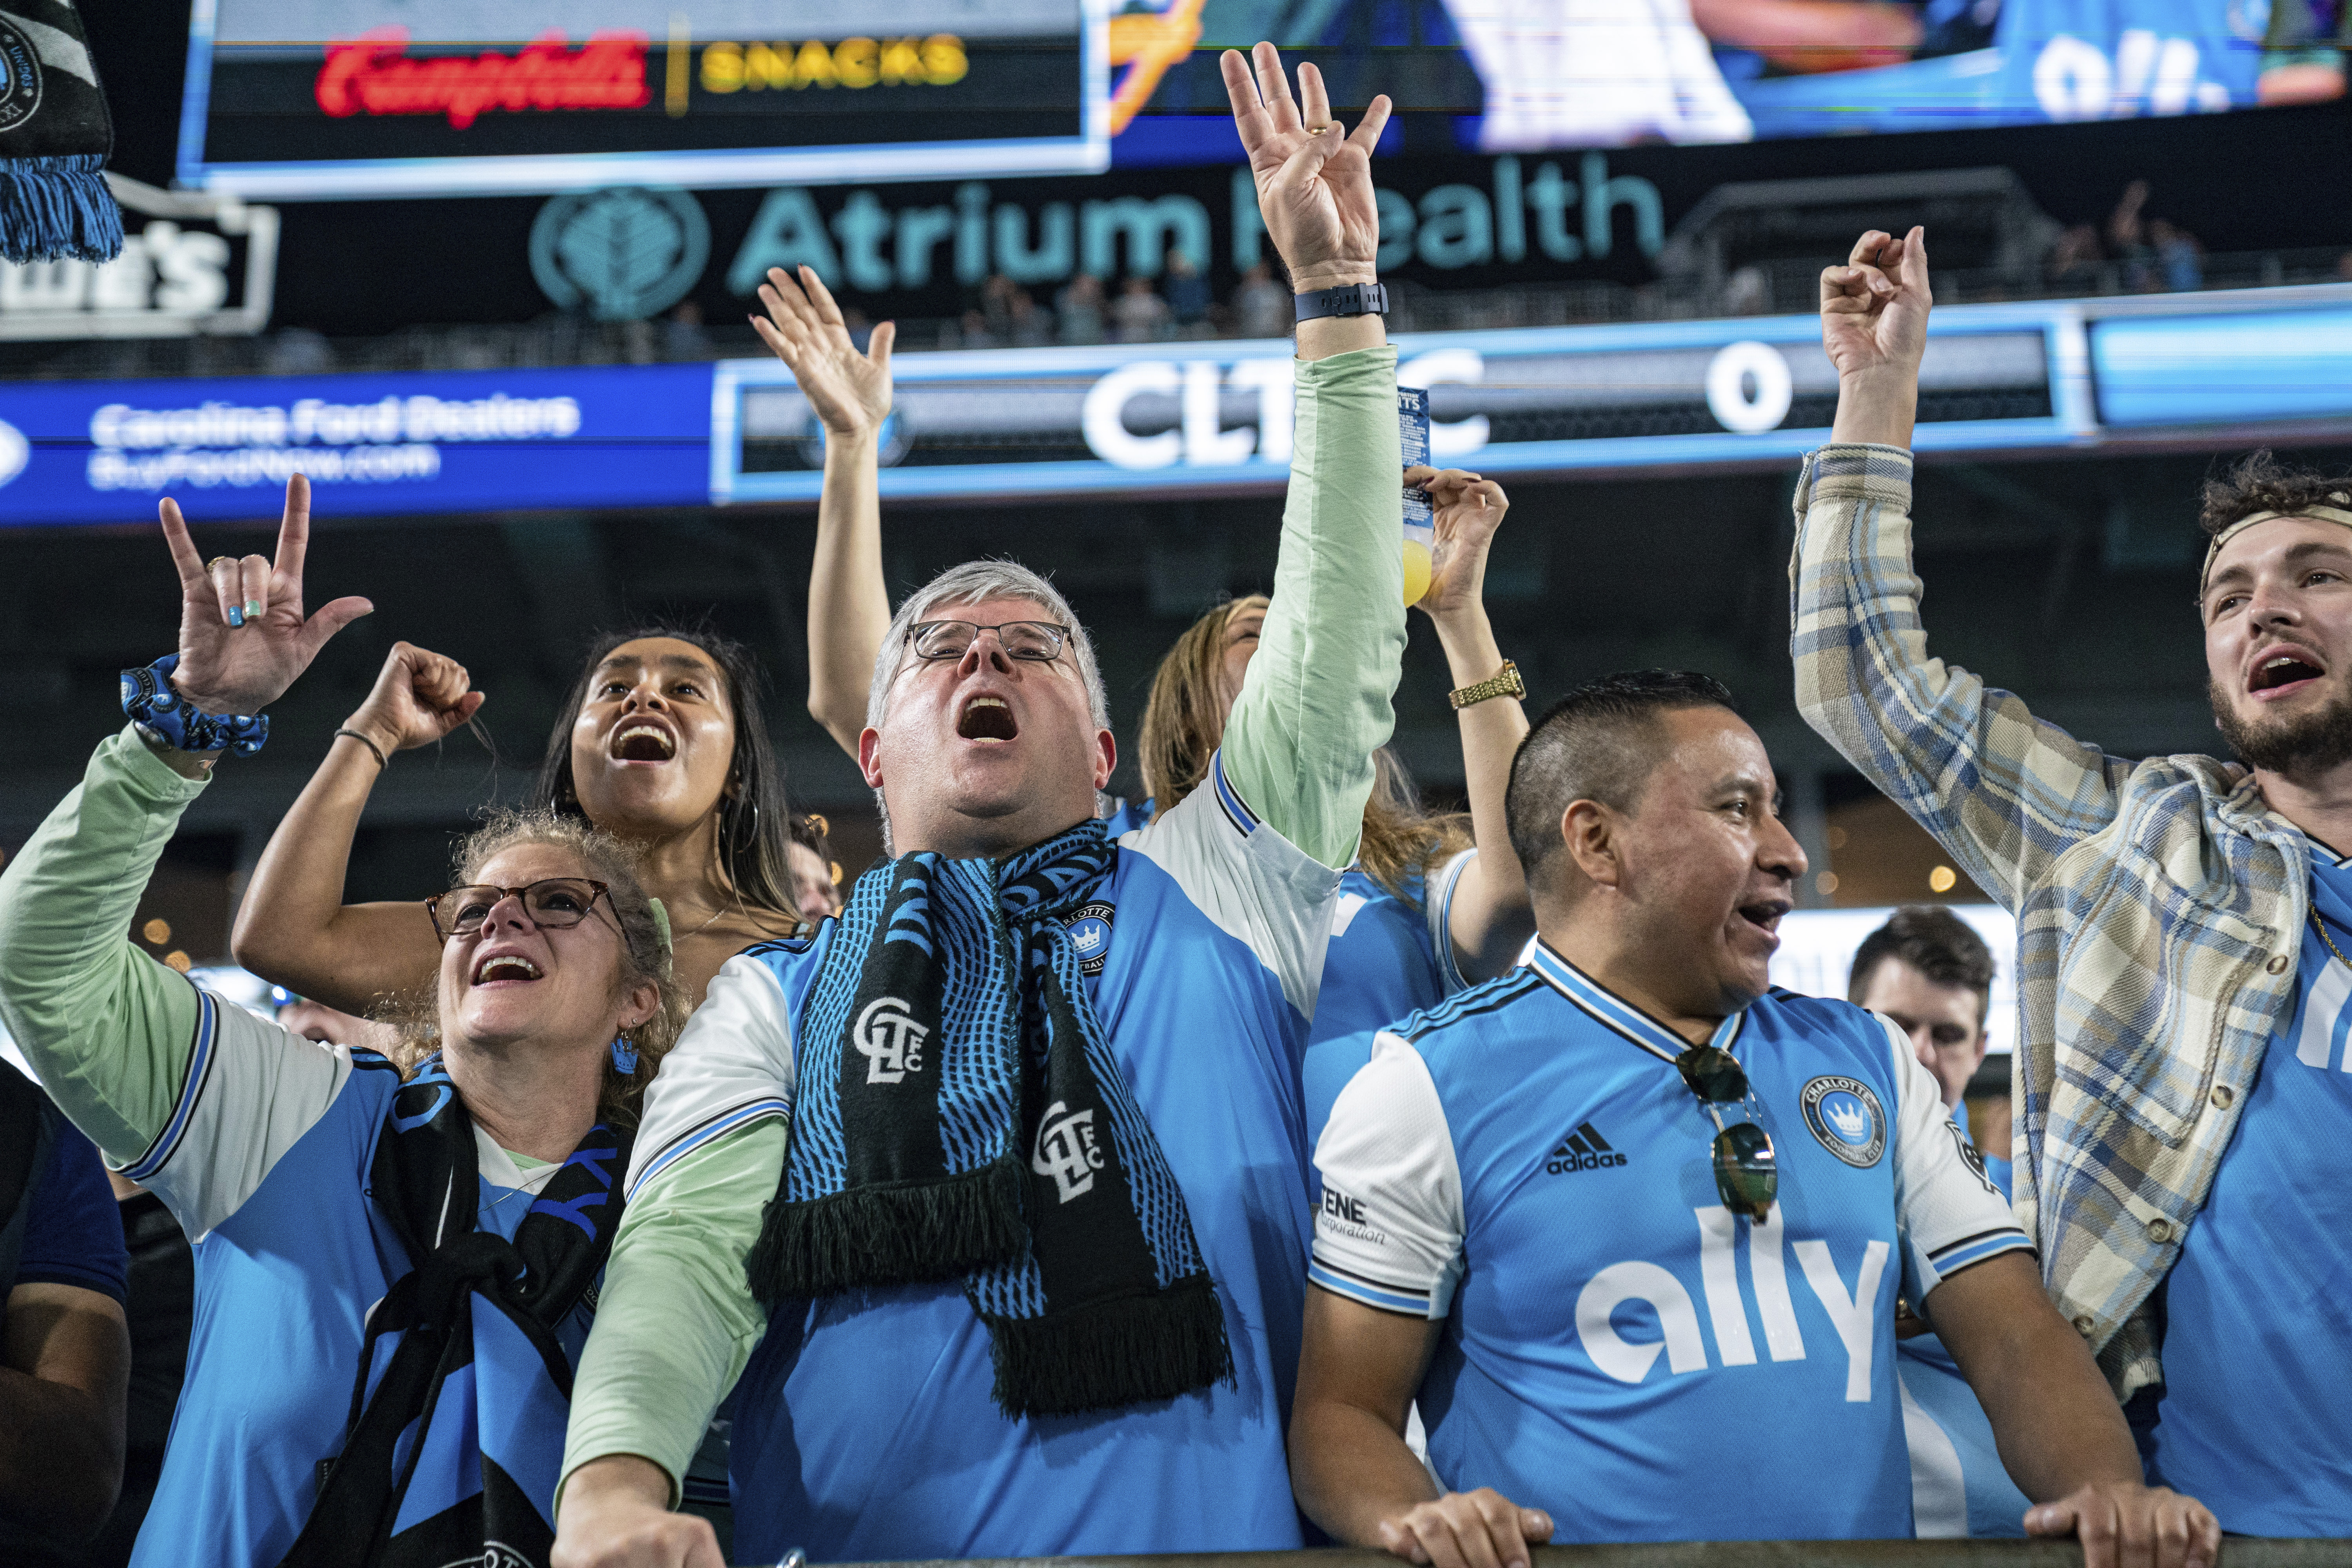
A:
{"x": 1355, "y": 299}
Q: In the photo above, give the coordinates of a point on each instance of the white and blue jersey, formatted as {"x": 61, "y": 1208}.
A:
{"x": 1526, "y": 1164}
{"x": 264, "y": 1161}
{"x": 1389, "y": 958}
{"x": 864, "y": 1426}
{"x": 1959, "y": 1487}
{"x": 2251, "y": 1419}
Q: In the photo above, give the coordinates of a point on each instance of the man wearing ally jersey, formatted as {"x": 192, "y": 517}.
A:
{"x": 1623, "y": 1213}
{"x": 1029, "y": 1280}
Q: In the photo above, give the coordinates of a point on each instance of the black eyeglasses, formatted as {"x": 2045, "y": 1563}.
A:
{"x": 1746, "y": 1176}
{"x": 1040, "y": 642}
{"x": 554, "y": 903}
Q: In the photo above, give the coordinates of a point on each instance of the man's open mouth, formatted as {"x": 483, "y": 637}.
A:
{"x": 987, "y": 719}
{"x": 642, "y": 743}
{"x": 505, "y": 967}
{"x": 1765, "y": 915}
{"x": 2277, "y": 673}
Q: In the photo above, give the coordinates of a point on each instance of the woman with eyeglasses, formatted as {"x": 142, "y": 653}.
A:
{"x": 1435, "y": 901}
{"x": 395, "y": 1272}
{"x": 662, "y": 743}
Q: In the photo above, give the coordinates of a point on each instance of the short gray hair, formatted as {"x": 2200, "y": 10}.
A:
{"x": 976, "y": 583}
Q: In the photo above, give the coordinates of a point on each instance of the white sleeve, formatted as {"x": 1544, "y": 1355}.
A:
{"x": 1950, "y": 1214}
{"x": 1253, "y": 883}
{"x": 1388, "y": 1233}
{"x": 732, "y": 1066}
{"x": 1437, "y": 903}
{"x": 253, "y": 1088}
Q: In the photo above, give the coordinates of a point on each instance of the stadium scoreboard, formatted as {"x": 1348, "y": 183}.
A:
{"x": 324, "y": 99}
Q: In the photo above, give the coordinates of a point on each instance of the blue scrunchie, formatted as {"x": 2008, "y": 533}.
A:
{"x": 150, "y": 700}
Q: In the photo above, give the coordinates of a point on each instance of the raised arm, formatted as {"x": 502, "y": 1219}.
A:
{"x": 1489, "y": 918}
{"x": 293, "y": 928}
{"x": 1315, "y": 705}
{"x": 111, "y": 1030}
{"x": 849, "y": 602}
{"x": 2003, "y": 792}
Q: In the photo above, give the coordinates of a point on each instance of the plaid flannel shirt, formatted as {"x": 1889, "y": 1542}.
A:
{"x": 2159, "y": 907}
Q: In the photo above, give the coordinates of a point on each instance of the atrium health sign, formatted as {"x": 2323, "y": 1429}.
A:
{"x": 468, "y": 441}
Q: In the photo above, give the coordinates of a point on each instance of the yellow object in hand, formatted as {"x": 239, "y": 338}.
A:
{"x": 1416, "y": 571}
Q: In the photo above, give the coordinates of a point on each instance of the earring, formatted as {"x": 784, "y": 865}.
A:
{"x": 624, "y": 1055}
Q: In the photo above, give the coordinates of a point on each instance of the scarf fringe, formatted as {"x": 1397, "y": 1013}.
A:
{"x": 896, "y": 1233}
{"x": 58, "y": 208}
{"x": 1112, "y": 1353}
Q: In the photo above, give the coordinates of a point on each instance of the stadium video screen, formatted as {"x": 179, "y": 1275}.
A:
{"x": 353, "y": 98}
{"x": 1527, "y": 75}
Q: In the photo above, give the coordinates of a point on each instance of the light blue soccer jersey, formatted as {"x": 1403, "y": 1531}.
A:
{"x": 2251, "y": 1422}
{"x": 264, "y": 1161}
{"x": 864, "y": 1426}
{"x": 2104, "y": 59}
{"x": 1388, "y": 959}
{"x": 1526, "y": 1164}
{"x": 1959, "y": 1487}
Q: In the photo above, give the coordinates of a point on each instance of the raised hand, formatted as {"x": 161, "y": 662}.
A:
{"x": 418, "y": 697}
{"x": 243, "y": 639}
{"x": 1314, "y": 186}
{"x": 1874, "y": 308}
{"x": 1469, "y": 510}
{"x": 850, "y": 391}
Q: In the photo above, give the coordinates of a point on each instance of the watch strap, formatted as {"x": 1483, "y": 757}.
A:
{"x": 1504, "y": 683}
{"x": 1352, "y": 299}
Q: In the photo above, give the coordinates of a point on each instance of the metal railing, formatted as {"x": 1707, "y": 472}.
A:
{"x": 2240, "y": 1552}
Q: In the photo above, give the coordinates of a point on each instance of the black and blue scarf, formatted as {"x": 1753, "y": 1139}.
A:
{"x": 55, "y": 135}
{"x": 959, "y": 1114}
{"x": 455, "y": 1454}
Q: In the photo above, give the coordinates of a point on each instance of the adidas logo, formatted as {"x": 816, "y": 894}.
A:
{"x": 1582, "y": 1149}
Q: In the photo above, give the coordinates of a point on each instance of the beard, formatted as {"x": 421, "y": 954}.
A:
{"x": 2319, "y": 738}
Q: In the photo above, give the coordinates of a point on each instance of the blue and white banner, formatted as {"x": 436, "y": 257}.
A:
{"x": 462, "y": 441}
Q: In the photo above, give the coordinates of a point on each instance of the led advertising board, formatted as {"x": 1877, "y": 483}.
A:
{"x": 1596, "y": 73}
{"x": 2179, "y": 371}
{"x": 73, "y": 452}
{"x": 295, "y": 99}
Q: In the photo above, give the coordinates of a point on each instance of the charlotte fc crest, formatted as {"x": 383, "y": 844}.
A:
{"x": 1845, "y": 1117}
{"x": 1089, "y": 930}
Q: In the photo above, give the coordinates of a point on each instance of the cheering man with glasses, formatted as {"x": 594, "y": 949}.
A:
{"x": 997, "y": 1182}
{"x": 1632, "y": 1227}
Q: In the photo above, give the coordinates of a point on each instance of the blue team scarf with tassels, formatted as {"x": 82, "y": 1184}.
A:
{"x": 959, "y": 1114}
{"x": 451, "y": 1455}
{"x": 55, "y": 135}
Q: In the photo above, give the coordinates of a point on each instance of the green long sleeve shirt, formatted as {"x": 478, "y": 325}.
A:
{"x": 677, "y": 1321}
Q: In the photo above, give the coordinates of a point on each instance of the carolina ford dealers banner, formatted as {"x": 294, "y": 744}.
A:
{"x": 482, "y": 440}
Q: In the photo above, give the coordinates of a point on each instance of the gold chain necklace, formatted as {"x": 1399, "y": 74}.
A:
{"x": 2321, "y": 926}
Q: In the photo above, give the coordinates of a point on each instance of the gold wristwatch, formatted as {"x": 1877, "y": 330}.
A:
{"x": 1504, "y": 683}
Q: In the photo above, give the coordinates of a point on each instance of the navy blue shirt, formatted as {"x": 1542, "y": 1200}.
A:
{"x": 73, "y": 1233}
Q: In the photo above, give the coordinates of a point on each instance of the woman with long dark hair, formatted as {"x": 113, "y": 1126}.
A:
{"x": 662, "y": 744}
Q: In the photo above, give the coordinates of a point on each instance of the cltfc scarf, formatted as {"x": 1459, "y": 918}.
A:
{"x": 454, "y": 1456}
{"x": 959, "y": 1114}
{"x": 55, "y": 135}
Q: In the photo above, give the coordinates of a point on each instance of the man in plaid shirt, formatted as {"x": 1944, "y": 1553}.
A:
{"x": 2182, "y": 922}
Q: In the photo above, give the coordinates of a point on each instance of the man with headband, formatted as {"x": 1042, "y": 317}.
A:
{"x": 2184, "y": 927}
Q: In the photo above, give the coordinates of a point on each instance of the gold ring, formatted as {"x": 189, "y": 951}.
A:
{"x": 1317, "y": 130}
{"x": 214, "y": 563}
